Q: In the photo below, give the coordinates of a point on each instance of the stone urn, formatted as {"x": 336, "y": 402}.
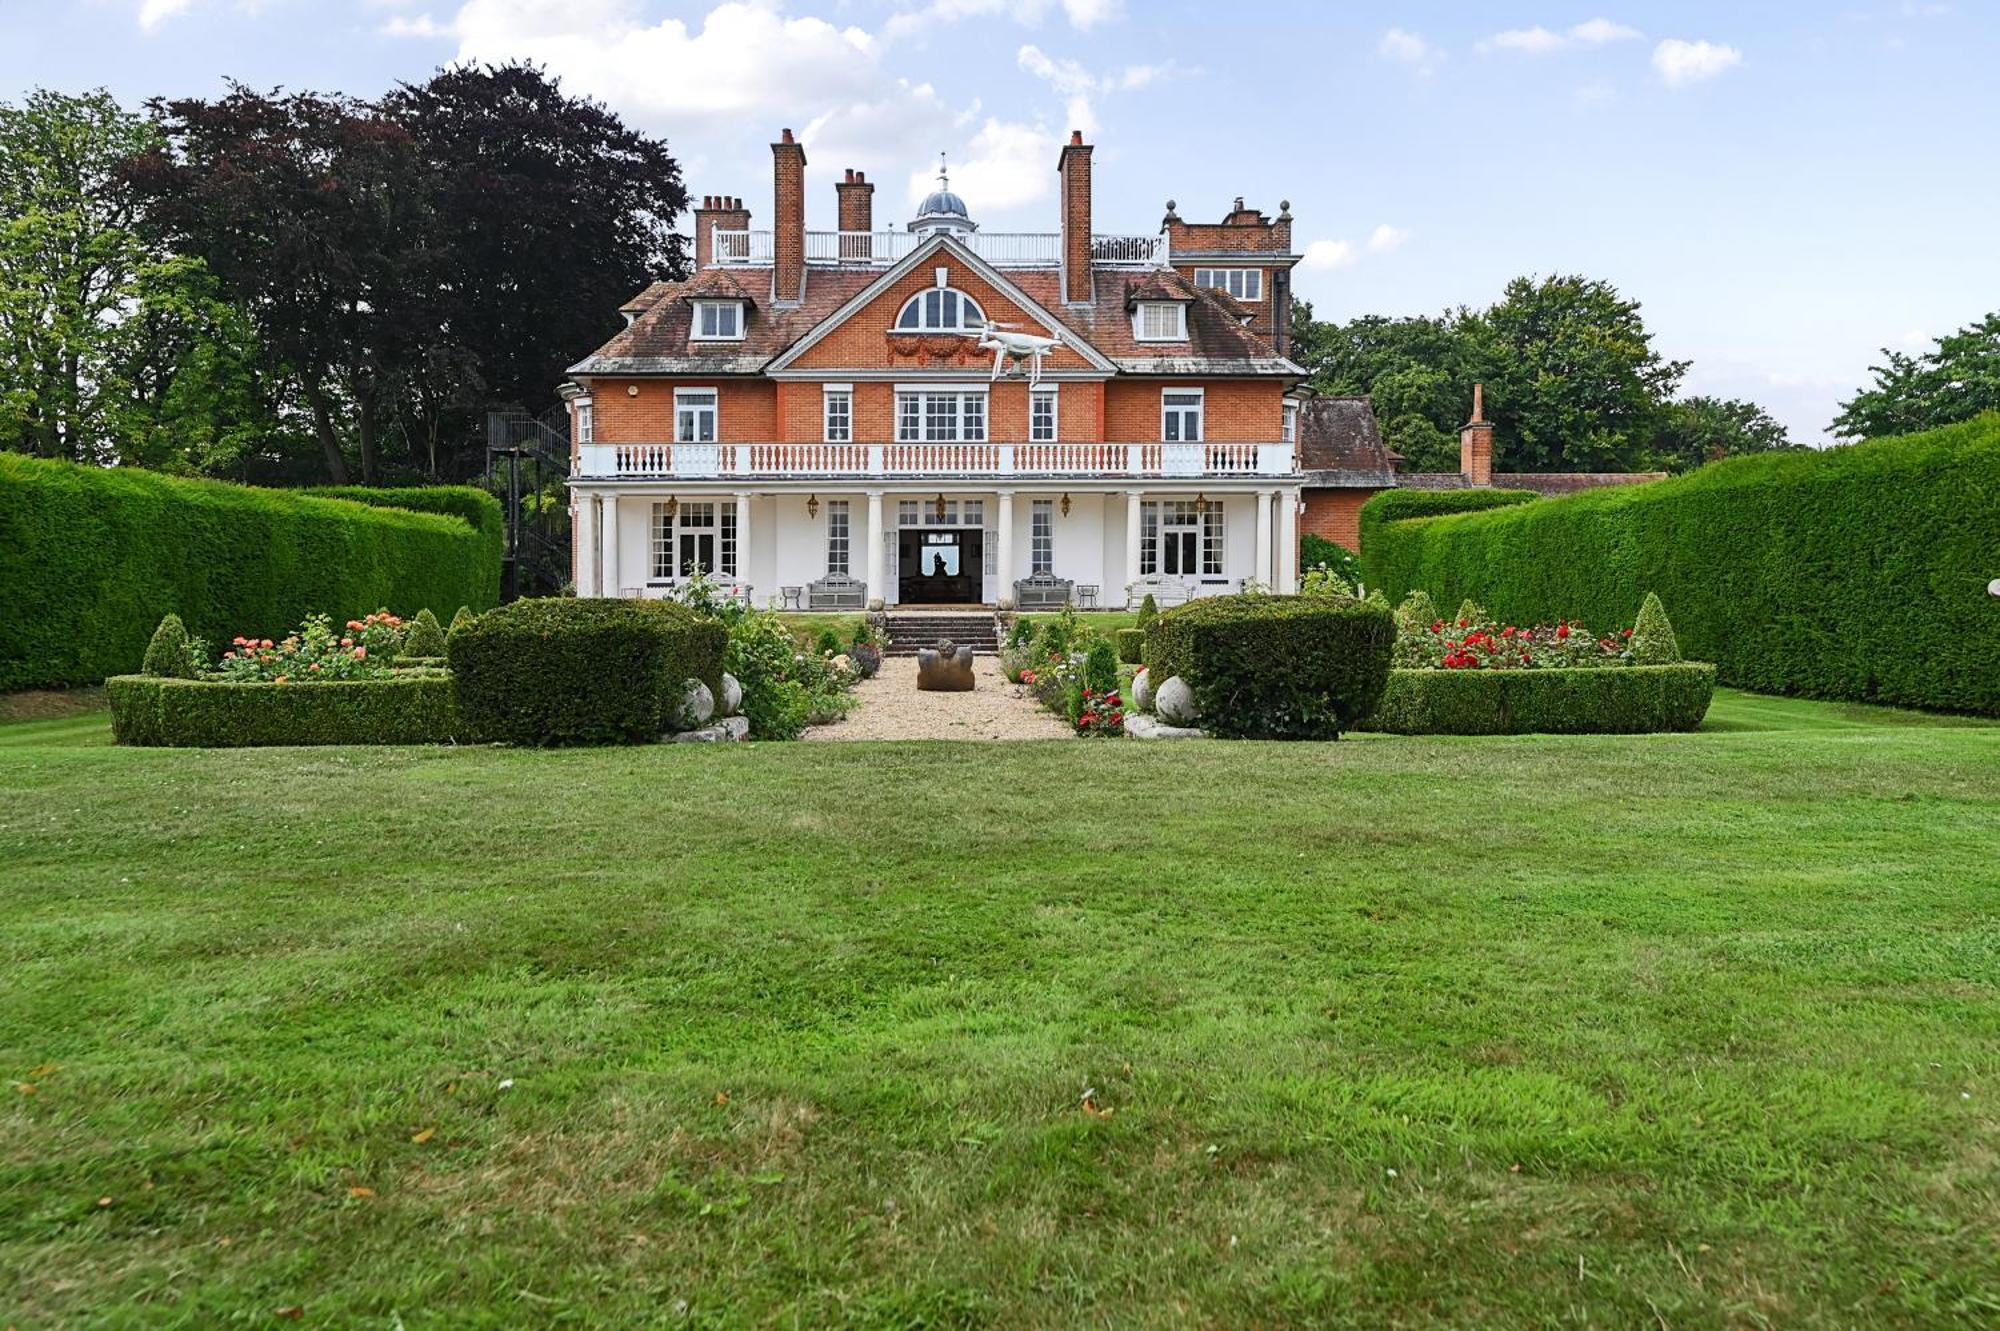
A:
{"x": 947, "y": 668}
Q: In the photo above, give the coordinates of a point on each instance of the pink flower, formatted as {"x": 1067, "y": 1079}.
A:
{"x": 361, "y": 653}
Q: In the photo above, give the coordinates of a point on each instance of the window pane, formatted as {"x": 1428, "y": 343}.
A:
{"x": 907, "y": 420}
{"x": 836, "y": 536}
{"x": 974, "y": 418}
{"x": 1041, "y": 542}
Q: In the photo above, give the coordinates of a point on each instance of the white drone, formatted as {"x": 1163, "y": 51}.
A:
{"x": 1011, "y": 346}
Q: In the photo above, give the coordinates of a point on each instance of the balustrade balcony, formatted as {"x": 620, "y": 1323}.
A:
{"x": 644, "y": 461}
{"x": 1002, "y": 249}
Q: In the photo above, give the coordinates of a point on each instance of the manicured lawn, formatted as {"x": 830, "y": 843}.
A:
{"x": 1688, "y": 1030}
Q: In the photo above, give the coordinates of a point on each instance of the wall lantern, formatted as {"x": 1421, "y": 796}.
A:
{"x": 812, "y": 506}
{"x": 1065, "y": 504}
{"x": 1201, "y": 504}
{"x": 937, "y": 506}
{"x": 673, "y": 507}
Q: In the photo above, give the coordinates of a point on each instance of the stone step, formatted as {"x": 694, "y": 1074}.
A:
{"x": 911, "y": 633}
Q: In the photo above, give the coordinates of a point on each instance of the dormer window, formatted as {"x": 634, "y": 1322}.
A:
{"x": 1159, "y": 321}
{"x": 940, "y": 310}
{"x": 718, "y": 321}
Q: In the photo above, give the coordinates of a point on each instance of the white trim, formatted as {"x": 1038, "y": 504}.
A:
{"x": 714, "y": 396}
{"x": 945, "y": 386}
{"x": 1199, "y": 407}
{"x": 694, "y": 325}
{"x": 921, "y": 300}
{"x": 985, "y": 271}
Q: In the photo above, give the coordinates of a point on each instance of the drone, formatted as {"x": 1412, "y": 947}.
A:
{"x": 1008, "y": 345}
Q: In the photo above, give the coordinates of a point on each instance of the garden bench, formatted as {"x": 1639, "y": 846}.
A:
{"x": 837, "y": 591}
{"x": 1165, "y": 591}
{"x": 1042, "y": 591}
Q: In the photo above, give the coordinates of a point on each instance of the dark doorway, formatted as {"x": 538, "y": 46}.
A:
{"x": 940, "y": 565}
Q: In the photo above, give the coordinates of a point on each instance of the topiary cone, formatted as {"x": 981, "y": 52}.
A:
{"x": 1653, "y": 640}
{"x": 425, "y": 637}
{"x": 1417, "y": 612}
{"x": 464, "y": 616}
{"x": 1470, "y": 611}
{"x": 168, "y": 654}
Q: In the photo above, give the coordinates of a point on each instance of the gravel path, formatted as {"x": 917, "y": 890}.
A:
{"x": 890, "y": 707}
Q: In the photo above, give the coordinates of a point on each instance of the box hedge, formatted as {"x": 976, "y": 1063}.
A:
{"x": 559, "y": 670}
{"x": 410, "y": 707}
{"x": 1856, "y": 572}
{"x": 1275, "y": 667}
{"x": 91, "y": 558}
{"x": 1610, "y": 700}
{"x": 1132, "y": 646}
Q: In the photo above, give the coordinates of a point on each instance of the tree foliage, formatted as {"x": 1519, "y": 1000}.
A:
{"x": 1954, "y": 381}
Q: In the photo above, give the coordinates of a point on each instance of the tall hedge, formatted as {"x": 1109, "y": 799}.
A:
{"x": 1398, "y": 505}
{"x": 1855, "y": 573}
{"x": 481, "y": 511}
{"x": 91, "y": 559}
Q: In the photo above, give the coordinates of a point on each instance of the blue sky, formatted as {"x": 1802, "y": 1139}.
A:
{"x": 1786, "y": 186}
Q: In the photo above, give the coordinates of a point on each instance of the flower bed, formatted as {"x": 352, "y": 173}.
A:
{"x": 1069, "y": 669}
{"x": 403, "y": 707}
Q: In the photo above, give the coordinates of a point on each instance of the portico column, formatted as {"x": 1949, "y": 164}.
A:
{"x": 610, "y": 584}
{"x": 1004, "y": 590}
{"x": 1131, "y": 542}
{"x": 1288, "y": 542}
{"x": 583, "y": 545}
{"x": 876, "y": 591}
{"x": 1264, "y": 538}
{"x": 741, "y": 573}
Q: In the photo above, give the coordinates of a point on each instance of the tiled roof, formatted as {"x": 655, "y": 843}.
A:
{"x": 656, "y": 342}
{"x": 1340, "y": 445}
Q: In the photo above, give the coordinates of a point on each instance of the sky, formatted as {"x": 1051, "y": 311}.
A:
{"x": 1787, "y": 188}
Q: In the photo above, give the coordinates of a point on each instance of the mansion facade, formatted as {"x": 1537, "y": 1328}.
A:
{"x": 939, "y": 415}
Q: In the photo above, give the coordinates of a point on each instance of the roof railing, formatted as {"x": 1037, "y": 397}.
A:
{"x": 880, "y": 249}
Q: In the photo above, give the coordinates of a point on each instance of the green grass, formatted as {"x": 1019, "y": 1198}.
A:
{"x": 1684, "y": 1030}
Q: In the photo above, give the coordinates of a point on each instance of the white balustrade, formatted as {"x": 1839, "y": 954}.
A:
{"x": 1002, "y": 249}
{"x": 1084, "y": 459}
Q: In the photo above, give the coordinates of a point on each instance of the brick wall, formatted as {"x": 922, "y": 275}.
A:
{"x": 1233, "y": 410}
{"x": 1335, "y": 515}
{"x": 748, "y": 409}
{"x": 863, "y": 342}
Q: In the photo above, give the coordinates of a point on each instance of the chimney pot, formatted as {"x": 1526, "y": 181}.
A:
{"x": 1076, "y": 137}
{"x": 786, "y": 137}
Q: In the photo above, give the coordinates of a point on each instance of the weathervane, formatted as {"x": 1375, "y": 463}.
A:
{"x": 944, "y": 181}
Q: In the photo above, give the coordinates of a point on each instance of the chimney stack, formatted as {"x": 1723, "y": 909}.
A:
{"x": 856, "y": 196}
{"x": 718, "y": 212}
{"x": 1075, "y": 171}
{"x": 1475, "y": 443}
{"x": 788, "y": 238}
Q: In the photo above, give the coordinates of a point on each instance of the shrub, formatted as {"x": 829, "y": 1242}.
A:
{"x": 1337, "y": 559}
{"x": 1323, "y": 581}
{"x": 1149, "y": 610}
{"x": 1100, "y": 714}
{"x": 408, "y": 707}
{"x": 1100, "y": 667}
{"x": 92, "y": 557}
{"x": 170, "y": 655}
{"x": 1416, "y": 612}
{"x": 1132, "y": 646}
{"x": 1857, "y": 572}
{"x": 425, "y": 638}
{"x": 1470, "y": 612}
{"x": 1635, "y": 700}
{"x": 472, "y": 506}
{"x": 464, "y": 616}
{"x": 1391, "y": 506}
{"x": 1653, "y": 636}
{"x": 315, "y": 653}
{"x": 829, "y": 642}
{"x": 562, "y": 670}
{"x": 1284, "y": 667}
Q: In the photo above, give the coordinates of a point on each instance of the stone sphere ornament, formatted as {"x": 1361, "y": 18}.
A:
{"x": 696, "y": 706}
{"x": 1175, "y": 703}
{"x": 732, "y": 695}
{"x": 1142, "y": 690}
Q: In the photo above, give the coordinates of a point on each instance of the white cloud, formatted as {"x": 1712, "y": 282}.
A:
{"x": 1542, "y": 41}
{"x": 1006, "y": 164}
{"x": 1385, "y": 238}
{"x": 1409, "y": 48}
{"x": 1323, "y": 256}
{"x": 1679, "y": 62}
{"x": 152, "y": 13}
{"x": 423, "y": 25}
{"x": 1078, "y": 86}
{"x": 1082, "y": 14}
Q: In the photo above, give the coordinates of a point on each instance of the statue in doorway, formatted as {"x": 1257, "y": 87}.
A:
{"x": 937, "y": 566}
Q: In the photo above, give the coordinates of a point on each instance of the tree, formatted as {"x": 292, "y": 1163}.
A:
{"x": 1572, "y": 380}
{"x": 1695, "y": 430}
{"x": 1954, "y": 381}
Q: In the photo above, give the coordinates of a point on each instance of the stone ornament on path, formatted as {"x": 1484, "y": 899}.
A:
{"x": 1142, "y": 690}
{"x": 732, "y": 695}
{"x": 696, "y": 706}
{"x": 948, "y": 669}
{"x": 1175, "y": 703}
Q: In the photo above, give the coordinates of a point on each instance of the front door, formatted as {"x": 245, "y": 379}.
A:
{"x": 939, "y": 566}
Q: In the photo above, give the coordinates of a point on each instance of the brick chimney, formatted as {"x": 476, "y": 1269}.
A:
{"x": 1475, "y": 443}
{"x": 1075, "y": 172}
{"x": 788, "y": 237}
{"x": 718, "y": 212}
{"x": 856, "y": 196}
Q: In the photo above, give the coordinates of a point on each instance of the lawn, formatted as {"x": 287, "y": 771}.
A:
{"x": 1683, "y": 1030}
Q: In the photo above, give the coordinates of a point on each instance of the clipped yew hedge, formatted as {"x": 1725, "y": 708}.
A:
{"x": 91, "y": 558}
{"x": 1275, "y": 667}
{"x": 1609, "y": 700}
{"x": 562, "y": 670}
{"x": 410, "y": 707}
{"x": 479, "y": 510}
{"x": 1401, "y": 505}
{"x": 1855, "y": 572}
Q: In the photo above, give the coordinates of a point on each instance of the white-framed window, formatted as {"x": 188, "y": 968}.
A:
{"x": 1042, "y": 416}
{"x": 909, "y": 513}
{"x": 586, "y": 423}
{"x": 1042, "y": 537}
{"x": 940, "y": 416}
{"x": 839, "y": 413}
{"x": 1160, "y": 321}
{"x": 1180, "y": 415}
{"x": 1242, "y": 283}
{"x": 837, "y": 534}
{"x": 694, "y": 415}
{"x": 1290, "y": 428}
{"x": 1177, "y": 540}
{"x": 718, "y": 321}
{"x": 694, "y": 537}
{"x": 973, "y": 514}
{"x": 940, "y": 310}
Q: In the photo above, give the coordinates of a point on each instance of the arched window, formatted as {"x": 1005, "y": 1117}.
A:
{"x": 940, "y": 310}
